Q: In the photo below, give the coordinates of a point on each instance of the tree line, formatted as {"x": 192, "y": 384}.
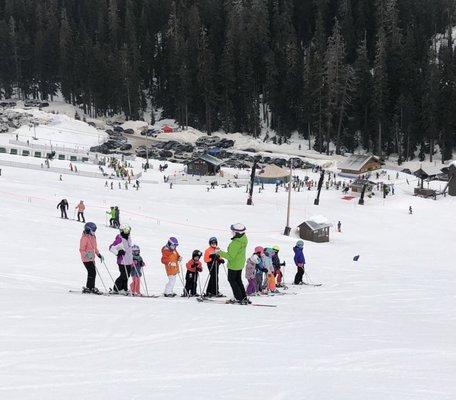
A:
{"x": 350, "y": 73}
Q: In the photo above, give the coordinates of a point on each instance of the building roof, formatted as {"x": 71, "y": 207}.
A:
{"x": 209, "y": 159}
{"x": 273, "y": 172}
{"x": 356, "y": 162}
{"x": 362, "y": 182}
{"x": 425, "y": 172}
{"x": 316, "y": 223}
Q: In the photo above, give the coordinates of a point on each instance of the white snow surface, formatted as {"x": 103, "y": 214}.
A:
{"x": 380, "y": 328}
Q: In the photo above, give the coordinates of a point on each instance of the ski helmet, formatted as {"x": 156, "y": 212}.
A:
{"x": 135, "y": 249}
{"x": 268, "y": 251}
{"x": 172, "y": 241}
{"x": 276, "y": 248}
{"x": 196, "y": 253}
{"x": 90, "y": 228}
{"x": 213, "y": 240}
{"x": 237, "y": 228}
{"x": 124, "y": 228}
{"x": 300, "y": 244}
{"x": 259, "y": 250}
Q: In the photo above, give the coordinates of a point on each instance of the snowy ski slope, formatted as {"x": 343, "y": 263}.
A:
{"x": 380, "y": 328}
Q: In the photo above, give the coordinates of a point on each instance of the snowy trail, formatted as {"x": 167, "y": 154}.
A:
{"x": 382, "y": 328}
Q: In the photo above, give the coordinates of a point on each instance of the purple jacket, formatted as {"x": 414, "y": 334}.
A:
{"x": 299, "y": 255}
{"x": 121, "y": 243}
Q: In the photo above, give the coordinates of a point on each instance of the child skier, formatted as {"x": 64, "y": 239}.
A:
{"x": 170, "y": 259}
{"x": 259, "y": 269}
{"x": 269, "y": 283}
{"x": 277, "y": 265}
{"x": 136, "y": 270}
{"x": 250, "y": 270}
{"x": 213, "y": 261}
{"x": 300, "y": 261}
{"x": 88, "y": 249}
{"x": 122, "y": 248}
{"x": 191, "y": 277}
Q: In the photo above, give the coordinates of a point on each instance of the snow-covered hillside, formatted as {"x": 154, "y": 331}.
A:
{"x": 380, "y": 328}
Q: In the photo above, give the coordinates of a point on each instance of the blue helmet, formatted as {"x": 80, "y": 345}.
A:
{"x": 90, "y": 228}
{"x": 172, "y": 241}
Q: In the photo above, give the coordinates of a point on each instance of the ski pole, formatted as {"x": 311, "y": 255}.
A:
{"x": 145, "y": 282}
{"x": 107, "y": 269}
{"x": 101, "y": 279}
{"x": 126, "y": 274}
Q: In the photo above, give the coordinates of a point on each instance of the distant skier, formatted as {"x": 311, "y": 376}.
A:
{"x": 136, "y": 270}
{"x": 122, "y": 248}
{"x": 63, "y": 205}
{"x": 300, "y": 262}
{"x": 410, "y": 210}
{"x": 81, "y": 207}
{"x": 213, "y": 261}
{"x": 88, "y": 249}
{"x": 112, "y": 216}
{"x": 170, "y": 259}
{"x": 191, "y": 277}
{"x": 235, "y": 255}
{"x": 116, "y": 222}
{"x": 339, "y": 227}
{"x": 277, "y": 265}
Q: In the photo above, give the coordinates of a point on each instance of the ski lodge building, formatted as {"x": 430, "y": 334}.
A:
{"x": 204, "y": 165}
{"x": 359, "y": 164}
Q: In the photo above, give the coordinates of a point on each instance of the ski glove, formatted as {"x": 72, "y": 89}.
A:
{"x": 101, "y": 257}
{"x": 121, "y": 252}
{"x": 282, "y": 264}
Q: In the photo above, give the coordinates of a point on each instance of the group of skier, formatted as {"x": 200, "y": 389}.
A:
{"x": 63, "y": 206}
{"x": 263, "y": 270}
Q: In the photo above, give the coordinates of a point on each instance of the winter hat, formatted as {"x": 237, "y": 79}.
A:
{"x": 300, "y": 244}
{"x": 90, "y": 228}
{"x": 258, "y": 250}
{"x": 237, "y": 228}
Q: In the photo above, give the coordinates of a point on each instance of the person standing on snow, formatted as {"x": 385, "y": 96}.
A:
{"x": 277, "y": 265}
{"x": 81, "y": 207}
{"x": 213, "y": 261}
{"x": 63, "y": 205}
{"x": 235, "y": 255}
{"x": 250, "y": 270}
{"x": 112, "y": 215}
{"x": 191, "y": 277}
{"x": 300, "y": 262}
{"x": 88, "y": 249}
{"x": 116, "y": 222}
{"x": 170, "y": 259}
{"x": 122, "y": 248}
{"x": 136, "y": 270}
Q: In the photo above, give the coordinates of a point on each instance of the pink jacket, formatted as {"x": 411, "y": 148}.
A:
{"x": 88, "y": 247}
{"x": 81, "y": 207}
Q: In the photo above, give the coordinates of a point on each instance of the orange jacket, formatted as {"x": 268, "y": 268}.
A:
{"x": 170, "y": 259}
{"x": 194, "y": 266}
{"x": 81, "y": 207}
{"x": 207, "y": 254}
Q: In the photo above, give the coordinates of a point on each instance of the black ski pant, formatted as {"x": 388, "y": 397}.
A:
{"x": 91, "y": 274}
{"x": 191, "y": 283}
{"x": 299, "y": 275}
{"x": 81, "y": 215}
{"x": 122, "y": 281}
{"x": 63, "y": 213}
{"x": 235, "y": 280}
{"x": 213, "y": 285}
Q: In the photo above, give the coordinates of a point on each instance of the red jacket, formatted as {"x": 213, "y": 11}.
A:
{"x": 194, "y": 266}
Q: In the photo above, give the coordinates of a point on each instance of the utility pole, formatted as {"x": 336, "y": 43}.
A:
{"x": 287, "y": 230}
{"x": 252, "y": 181}
{"x": 320, "y": 184}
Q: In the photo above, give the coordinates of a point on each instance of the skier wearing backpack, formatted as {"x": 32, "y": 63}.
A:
{"x": 213, "y": 261}
{"x": 88, "y": 249}
{"x": 122, "y": 248}
{"x": 300, "y": 262}
{"x": 170, "y": 259}
{"x": 235, "y": 255}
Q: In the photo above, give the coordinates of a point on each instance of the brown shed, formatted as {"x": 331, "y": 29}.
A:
{"x": 315, "y": 229}
{"x": 359, "y": 164}
{"x": 204, "y": 165}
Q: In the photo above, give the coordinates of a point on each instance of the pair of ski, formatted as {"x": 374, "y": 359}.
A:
{"x": 154, "y": 296}
{"x": 212, "y": 300}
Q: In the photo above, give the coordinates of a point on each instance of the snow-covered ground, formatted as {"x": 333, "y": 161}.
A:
{"x": 380, "y": 328}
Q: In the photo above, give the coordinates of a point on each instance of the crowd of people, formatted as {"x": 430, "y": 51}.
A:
{"x": 263, "y": 269}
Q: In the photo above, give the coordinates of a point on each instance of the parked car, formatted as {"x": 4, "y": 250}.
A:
{"x": 129, "y": 131}
{"x": 125, "y": 147}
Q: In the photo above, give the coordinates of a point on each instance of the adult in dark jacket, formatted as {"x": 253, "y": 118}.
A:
{"x": 300, "y": 262}
{"x": 63, "y": 205}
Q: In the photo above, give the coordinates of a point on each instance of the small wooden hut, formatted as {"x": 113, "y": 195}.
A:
{"x": 315, "y": 229}
{"x": 204, "y": 165}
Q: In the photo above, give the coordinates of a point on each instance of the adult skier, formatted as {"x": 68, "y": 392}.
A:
{"x": 112, "y": 215}
{"x": 213, "y": 261}
{"x": 81, "y": 207}
{"x": 63, "y": 205}
{"x": 116, "y": 222}
{"x": 88, "y": 249}
{"x": 235, "y": 255}
{"x": 122, "y": 248}
{"x": 300, "y": 262}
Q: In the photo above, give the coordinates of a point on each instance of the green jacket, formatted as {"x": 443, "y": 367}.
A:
{"x": 236, "y": 253}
